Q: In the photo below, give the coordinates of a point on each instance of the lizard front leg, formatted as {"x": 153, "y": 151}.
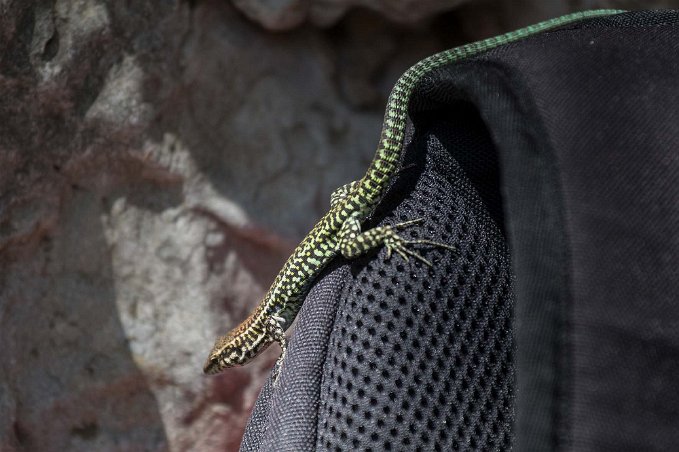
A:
{"x": 353, "y": 242}
{"x": 275, "y": 330}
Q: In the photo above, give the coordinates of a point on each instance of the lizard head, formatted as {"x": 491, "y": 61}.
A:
{"x": 225, "y": 353}
{"x": 236, "y": 348}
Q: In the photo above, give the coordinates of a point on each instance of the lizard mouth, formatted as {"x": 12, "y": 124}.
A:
{"x": 212, "y": 366}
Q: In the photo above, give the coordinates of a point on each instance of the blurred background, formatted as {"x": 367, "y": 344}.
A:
{"x": 159, "y": 160}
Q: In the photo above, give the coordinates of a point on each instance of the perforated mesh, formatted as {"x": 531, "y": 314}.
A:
{"x": 422, "y": 357}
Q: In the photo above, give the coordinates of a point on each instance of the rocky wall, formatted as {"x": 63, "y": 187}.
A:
{"x": 159, "y": 159}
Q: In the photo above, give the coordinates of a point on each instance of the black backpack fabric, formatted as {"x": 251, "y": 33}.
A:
{"x": 552, "y": 164}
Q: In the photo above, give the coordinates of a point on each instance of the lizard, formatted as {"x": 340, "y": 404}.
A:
{"x": 339, "y": 230}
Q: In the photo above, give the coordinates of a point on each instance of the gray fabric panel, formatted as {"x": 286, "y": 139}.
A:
{"x": 284, "y": 418}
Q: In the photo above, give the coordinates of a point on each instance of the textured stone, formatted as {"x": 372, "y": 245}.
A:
{"x": 158, "y": 161}
{"x": 286, "y": 14}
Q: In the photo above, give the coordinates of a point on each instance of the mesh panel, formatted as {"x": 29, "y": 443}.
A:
{"x": 633, "y": 19}
{"x": 422, "y": 357}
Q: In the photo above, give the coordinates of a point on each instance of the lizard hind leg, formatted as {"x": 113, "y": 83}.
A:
{"x": 342, "y": 192}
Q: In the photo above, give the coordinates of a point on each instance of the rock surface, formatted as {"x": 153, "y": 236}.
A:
{"x": 158, "y": 161}
{"x": 286, "y": 14}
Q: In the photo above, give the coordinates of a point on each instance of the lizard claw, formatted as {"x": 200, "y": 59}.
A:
{"x": 398, "y": 244}
{"x": 394, "y": 242}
